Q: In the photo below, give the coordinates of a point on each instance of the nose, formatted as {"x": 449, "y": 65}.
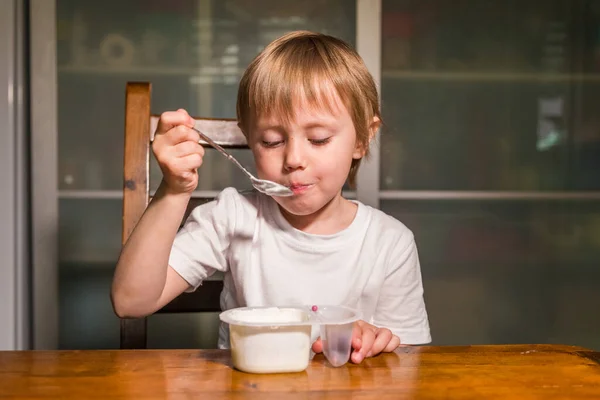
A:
{"x": 295, "y": 156}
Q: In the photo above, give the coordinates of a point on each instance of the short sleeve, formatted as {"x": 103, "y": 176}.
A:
{"x": 200, "y": 247}
{"x": 401, "y": 306}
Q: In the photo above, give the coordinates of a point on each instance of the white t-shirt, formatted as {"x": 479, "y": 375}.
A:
{"x": 372, "y": 265}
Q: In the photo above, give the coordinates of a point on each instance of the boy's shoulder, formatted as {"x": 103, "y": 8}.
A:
{"x": 389, "y": 228}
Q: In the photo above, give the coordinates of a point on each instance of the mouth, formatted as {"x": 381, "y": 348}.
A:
{"x": 298, "y": 188}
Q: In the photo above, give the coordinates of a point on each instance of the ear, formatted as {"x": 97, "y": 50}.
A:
{"x": 359, "y": 150}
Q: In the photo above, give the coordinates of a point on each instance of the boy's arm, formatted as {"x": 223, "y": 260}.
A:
{"x": 401, "y": 305}
{"x": 143, "y": 283}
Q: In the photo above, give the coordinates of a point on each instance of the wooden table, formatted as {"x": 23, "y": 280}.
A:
{"x": 470, "y": 372}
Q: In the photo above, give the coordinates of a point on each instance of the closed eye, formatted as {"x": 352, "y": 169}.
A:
{"x": 271, "y": 144}
{"x": 320, "y": 142}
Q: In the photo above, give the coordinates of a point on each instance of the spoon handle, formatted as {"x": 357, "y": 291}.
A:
{"x": 224, "y": 152}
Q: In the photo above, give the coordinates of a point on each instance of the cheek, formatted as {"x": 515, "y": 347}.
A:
{"x": 266, "y": 165}
{"x": 337, "y": 167}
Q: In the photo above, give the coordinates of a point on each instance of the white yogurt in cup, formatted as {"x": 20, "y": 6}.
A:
{"x": 278, "y": 339}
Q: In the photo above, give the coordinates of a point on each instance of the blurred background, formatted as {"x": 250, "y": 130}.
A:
{"x": 490, "y": 152}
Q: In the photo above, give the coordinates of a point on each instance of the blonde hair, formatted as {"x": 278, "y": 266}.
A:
{"x": 308, "y": 65}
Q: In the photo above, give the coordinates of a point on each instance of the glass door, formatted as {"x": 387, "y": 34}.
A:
{"x": 491, "y": 155}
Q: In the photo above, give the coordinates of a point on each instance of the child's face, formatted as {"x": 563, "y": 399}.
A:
{"x": 311, "y": 154}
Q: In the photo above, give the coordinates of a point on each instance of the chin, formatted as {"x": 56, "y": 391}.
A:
{"x": 302, "y": 205}
{"x": 300, "y": 208}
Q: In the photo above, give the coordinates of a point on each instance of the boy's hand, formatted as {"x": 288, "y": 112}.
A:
{"x": 367, "y": 341}
{"x": 177, "y": 151}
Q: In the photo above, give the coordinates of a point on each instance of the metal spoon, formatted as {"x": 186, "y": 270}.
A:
{"x": 267, "y": 187}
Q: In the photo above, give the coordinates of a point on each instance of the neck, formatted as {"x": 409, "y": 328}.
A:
{"x": 335, "y": 216}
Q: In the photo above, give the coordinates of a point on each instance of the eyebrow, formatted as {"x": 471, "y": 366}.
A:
{"x": 278, "y": 128}
{"x": 317, "y": 124}
{"x": 307, "y": 126}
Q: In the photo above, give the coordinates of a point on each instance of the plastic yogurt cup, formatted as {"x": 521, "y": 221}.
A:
{"x": 278, "y": 339}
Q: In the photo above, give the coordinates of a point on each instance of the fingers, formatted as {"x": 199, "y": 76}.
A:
{"x": 393, "y": 344}
{"x": 176, "y": 135}
{"x": 317, "y": 346}
{"x": 168, "y": 155}
{"x": 174, "y": 127}
{"x": 171, "y": 119}
{"x": 189, "y": 163}
{"x": 357, "y": 335}
{"x": 367, "y": 339}
{"x": 187, "y": 148}
{"x": 382, "y": 339}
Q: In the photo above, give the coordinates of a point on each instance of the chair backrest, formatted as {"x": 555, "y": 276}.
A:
{"x": 140, "y": 125}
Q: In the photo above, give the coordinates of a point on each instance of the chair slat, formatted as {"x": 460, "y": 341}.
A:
{"x": 133, "y": 333}
{"x": 136, "y": 168}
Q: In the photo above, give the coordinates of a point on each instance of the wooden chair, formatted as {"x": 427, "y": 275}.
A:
{"x": 140, "y": 125}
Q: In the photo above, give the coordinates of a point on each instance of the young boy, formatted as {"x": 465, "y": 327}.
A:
{"x": 309, "y": 108}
